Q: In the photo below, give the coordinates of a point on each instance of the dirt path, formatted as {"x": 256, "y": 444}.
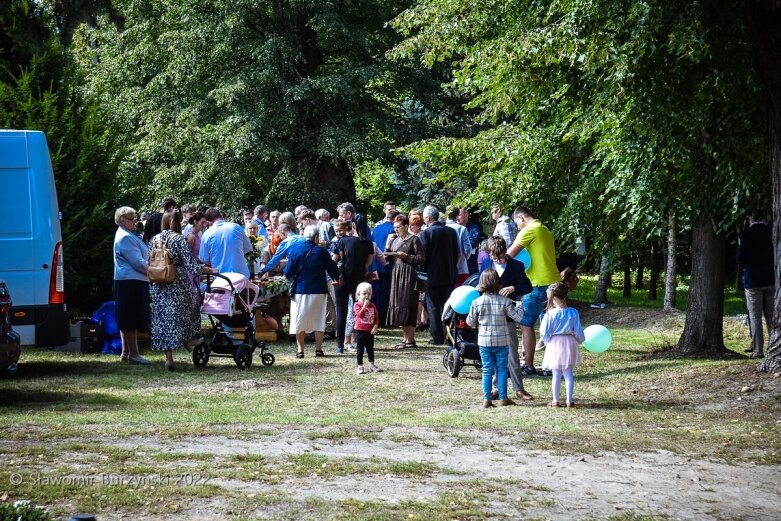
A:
{"x": 528, "y": 484}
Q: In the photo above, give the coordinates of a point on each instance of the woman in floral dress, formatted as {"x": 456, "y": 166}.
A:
{"x": 175, "y": 312}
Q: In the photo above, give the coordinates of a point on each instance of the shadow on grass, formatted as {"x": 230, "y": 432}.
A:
{"x": 670, "y": 351}
{"x": 27, "y": 398}
{"x": 633, "y": 370}
{"x": 630, "y": 405}
{"x": 53, "y": 368}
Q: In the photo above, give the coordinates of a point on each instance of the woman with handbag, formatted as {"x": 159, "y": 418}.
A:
{"x": 176, "y": 316}
{"x": 405, "y": 288}
{"x": 307, "y": 266}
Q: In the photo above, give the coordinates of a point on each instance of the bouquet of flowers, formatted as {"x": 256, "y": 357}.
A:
{"x": 258, "y": 243}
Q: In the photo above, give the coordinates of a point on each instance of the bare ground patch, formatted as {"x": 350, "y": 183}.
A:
{"x": 513, "y": 482}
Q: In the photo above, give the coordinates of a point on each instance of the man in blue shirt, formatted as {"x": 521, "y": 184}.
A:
{"x": 464, "y": 246}
{"x": 476, "y": 235}
{"x": 261, "y": 213}
{"x": 381, "y": 233}
{"x": 224, "y": 244}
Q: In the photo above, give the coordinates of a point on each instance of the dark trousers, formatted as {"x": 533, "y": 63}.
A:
{"x": 342, "y": 293}
{"x": 436, "y": 297}
{"x": 364, "y": 340}
{"x": 384, "y": 294}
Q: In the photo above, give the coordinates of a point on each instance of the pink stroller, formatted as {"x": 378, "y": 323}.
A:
{"x": 229, "y": 301}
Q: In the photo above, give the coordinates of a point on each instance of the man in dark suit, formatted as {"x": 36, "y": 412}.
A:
{"x": 152, "y": 225}
{"x": 755, "y": 254}
{"x": 440, "y": 243}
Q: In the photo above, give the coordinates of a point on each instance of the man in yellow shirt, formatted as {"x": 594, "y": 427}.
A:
{"x": 538, "y": 240}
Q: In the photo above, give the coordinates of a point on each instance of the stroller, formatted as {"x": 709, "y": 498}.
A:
{"x": 229, "y": 302}
{"x": 460, "y": 339}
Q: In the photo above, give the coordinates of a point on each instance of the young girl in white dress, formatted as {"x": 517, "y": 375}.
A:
{"x": 562, "y": 333}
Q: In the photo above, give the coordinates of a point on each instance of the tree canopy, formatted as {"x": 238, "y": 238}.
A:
{"x": 238, "y": 102}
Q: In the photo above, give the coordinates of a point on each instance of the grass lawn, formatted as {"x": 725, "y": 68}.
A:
{"x": 734, "y": 302}
{"x": 174, "y": 442}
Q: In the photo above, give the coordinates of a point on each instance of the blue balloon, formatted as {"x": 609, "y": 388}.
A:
{"x": 598, "y": 338}
{"x": 525, "y": 258}
{"x": 462, "y": 298}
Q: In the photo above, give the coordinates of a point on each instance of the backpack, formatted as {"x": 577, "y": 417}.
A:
{"x": 161, "y": 268}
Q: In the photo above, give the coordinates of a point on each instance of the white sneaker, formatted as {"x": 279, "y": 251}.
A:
{"x": 374, "y": 368}
{"x": 360, "y": 370}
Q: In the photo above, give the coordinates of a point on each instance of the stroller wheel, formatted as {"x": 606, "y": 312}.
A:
{"x": 201, "y": 355}
{"x": 453, "y": 362}
{"x": 243, "y": 357}
{"x": 267, "y": 359}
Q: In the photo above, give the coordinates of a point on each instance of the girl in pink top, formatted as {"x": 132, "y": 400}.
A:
{"x": 367, "y": 320}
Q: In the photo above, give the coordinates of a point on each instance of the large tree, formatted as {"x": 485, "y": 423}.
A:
{"x": 765, "y": 24}
{"x": 613, "y": 117}
{"x": 242, "y": 101}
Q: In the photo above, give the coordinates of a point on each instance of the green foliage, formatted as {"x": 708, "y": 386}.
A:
{"x": 41, "y": 92}
{"x": 603, "y": 116}
{"x": 238, "y": 102}
{"x": 373, "y": 186}
{"x": 22, "y": 511}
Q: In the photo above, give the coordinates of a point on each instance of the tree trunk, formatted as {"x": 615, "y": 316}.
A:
{"x": 765, "y": 24}
{"x": 642, "y": 259}
{"x": 325, "y": 178}
{"x": 627, "y": 276}
{"x": 669, "y": 279}
{"x": 603, "y": 283}
{"x": 653, "y": 279}
{"x": 703, "y": 330}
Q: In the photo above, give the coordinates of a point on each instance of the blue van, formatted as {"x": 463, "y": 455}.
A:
{"x": 31, "y": 261}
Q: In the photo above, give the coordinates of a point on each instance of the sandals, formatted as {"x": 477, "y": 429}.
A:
{"x": 410, "y": 345}
{"x": 300, "y": 354}
{"x": 319, "y": 353}
{"x": 554, "y": 404}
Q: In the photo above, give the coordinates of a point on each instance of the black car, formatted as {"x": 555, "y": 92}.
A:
{"x": 9, "y": 339}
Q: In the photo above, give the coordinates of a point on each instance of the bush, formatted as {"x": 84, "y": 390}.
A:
{"x": 23, "y": 511}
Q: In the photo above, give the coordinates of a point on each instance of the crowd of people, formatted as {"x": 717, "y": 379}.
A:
{"x": 347, "y": 278}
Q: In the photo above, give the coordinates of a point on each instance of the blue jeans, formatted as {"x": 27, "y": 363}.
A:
{"x": 533, "y": 305}
{"x": 494, "y": 358}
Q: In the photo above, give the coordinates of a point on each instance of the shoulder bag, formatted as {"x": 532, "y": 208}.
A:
{"x": 161, "y": 268}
